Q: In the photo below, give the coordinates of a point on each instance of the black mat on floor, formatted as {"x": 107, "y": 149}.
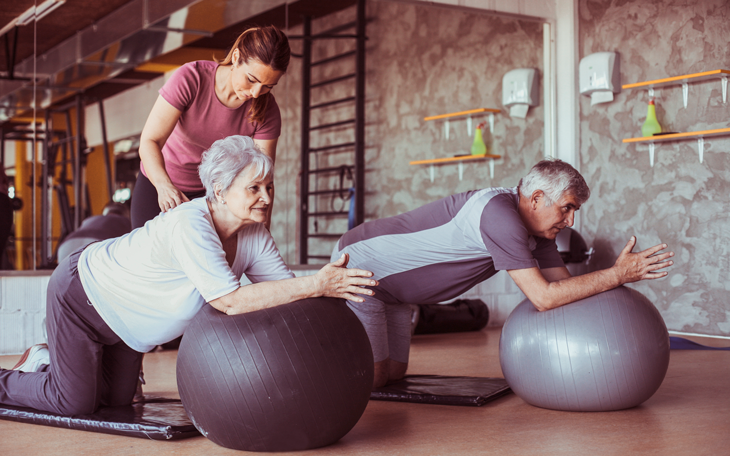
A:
{"x": 680, "y": 343}
{"x": 442, "y": 390}
{"x": 155, "y": 419}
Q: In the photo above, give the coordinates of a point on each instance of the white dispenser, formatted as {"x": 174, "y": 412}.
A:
{"x": 520, "y": 90}
{"x": 599, "y": 76}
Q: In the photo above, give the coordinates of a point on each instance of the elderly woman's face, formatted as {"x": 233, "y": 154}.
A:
{"x": 249, "y": 196}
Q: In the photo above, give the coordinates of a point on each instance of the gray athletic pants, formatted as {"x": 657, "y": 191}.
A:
{"x": 90, "y": 365}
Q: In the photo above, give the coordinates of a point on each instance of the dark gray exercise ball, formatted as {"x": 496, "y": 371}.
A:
{"x": 606, "y": 352}
{"x": 292, "y": 377}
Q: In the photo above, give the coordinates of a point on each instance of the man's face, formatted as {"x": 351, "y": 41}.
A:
{"x": 549, "y": 220}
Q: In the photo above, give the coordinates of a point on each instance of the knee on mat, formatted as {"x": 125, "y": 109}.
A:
{"x": 81, "y": 406}
{"x": 388, "y": 371}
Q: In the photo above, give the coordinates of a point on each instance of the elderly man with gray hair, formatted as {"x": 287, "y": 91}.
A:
{"x": 440, "y": 250}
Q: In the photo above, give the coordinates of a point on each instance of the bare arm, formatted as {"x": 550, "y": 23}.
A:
{"x": 157, "y": 129}
{"x": 333, "y": 280}
{"x": 554, "y": 287}
{"x": 555, "y": 274}
{"x": 268, "y": 147}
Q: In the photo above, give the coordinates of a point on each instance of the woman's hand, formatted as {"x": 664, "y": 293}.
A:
{"x": 336, "y": 281}
{"x": 169, "y": 197}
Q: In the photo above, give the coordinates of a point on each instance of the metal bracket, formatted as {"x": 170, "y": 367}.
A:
{"x": 432, "y": 172}
{"x": 468, "y": 125}
{"x": 701, "y": 147}
{"x": 461, "y": 171}
{"x": 446, "y": 128}
{"x": 651, "y": 154}
{"x": 491, "y": 168}
{"x": 491, "y": 123}
{"x": 724, "y": 89}
{"x": 685, "y": 93}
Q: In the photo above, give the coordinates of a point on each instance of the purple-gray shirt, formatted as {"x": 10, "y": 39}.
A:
{"x": 442, "y": 249}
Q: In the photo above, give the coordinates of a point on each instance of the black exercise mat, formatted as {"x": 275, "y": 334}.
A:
{"x": 155, "y": 419}
{"x": 443, "y": 390}
{"x": 680, "y": 343}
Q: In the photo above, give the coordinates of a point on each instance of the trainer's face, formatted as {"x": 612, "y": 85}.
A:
{"x": 549, "y": 220}
{"x": 252, "y": 79}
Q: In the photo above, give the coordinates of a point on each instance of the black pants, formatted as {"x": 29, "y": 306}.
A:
{"x": 145, "y": 206}
{"x": 6, "y": 223}
{"x": 90, "y": 365}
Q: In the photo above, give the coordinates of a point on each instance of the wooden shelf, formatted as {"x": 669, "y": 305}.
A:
{"x": 678, "y": 136}
{"x": 678, "y": 80}
{"x": 684, "y": 81}
{"x": 698, "y": 135}
{"x": 457, "y": 161}
{"x": 461, "y": 113}
{"x": 436, "y": 161}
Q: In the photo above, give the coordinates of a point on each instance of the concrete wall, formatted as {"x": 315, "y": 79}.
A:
{"x": 679, "y": 201}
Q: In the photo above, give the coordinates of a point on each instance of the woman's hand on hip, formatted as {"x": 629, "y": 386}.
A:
{"x": 169, "y": 197}
{"x": 337, "y": 281}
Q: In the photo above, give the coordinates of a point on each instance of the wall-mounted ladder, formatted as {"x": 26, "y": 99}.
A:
{"x": 319, "y": 182}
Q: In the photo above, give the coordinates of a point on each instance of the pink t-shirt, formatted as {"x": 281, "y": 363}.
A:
{"x": 204, "y": 120}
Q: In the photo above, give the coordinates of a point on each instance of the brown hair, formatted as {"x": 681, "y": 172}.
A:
{"x": 268, "y": 45}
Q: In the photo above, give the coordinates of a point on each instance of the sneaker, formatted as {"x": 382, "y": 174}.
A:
{"x": 33, "y": 358}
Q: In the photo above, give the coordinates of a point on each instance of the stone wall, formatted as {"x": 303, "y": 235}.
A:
{"x": 679, "y": 201}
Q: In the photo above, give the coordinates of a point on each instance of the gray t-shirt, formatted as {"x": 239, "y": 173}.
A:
{"x": 442, "y": 249}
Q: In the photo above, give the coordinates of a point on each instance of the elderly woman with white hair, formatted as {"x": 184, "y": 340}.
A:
{"x": 441, "y": 250}
{"x": 116, "y": 299}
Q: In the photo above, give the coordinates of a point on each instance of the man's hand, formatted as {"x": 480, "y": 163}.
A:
{"x": 554, "y": 287}
{"x": 632, "y": 267}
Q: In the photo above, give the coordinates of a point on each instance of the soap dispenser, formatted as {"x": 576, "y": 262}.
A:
{"x": 651, "y": 124}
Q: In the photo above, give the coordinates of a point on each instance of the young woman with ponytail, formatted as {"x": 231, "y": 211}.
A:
{"x": 204, "y": 101}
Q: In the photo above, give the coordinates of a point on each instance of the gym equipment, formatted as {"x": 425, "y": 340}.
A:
{"x": 292, "y": 377}
{"x": 460, "y": 315}
{"x": 443, "y": 390}
{"x": 680, "y": 343}
{"x": 155, "y": 418}
{"x": 606, "y": 352}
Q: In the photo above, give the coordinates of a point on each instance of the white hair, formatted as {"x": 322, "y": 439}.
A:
{"x": 555, "y": 178}
{"x": 226, "y": 158}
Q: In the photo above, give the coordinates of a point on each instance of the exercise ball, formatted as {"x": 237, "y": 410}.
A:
{"x": 606, "y": 352}
{"x": 292, "y": 377}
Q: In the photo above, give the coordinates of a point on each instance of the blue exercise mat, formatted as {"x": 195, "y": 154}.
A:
{"x": 679, "y": 343}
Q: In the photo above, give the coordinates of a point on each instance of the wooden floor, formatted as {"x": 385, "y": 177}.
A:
{"x": 690, "y": 414}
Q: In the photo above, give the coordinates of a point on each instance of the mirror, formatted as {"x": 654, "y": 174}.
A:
{"x": 422, "y": 60}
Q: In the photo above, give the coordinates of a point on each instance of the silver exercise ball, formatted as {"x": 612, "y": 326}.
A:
{"x": 606, "y": 352}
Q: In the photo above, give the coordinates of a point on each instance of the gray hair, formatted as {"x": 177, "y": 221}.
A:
{"x": 555, "y": 178}
{"x": 226, "y": 158}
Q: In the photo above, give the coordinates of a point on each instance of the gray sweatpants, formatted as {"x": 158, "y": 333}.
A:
{"x": 90, "y": 365}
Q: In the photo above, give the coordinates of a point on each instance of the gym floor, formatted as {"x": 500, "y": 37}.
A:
{"x": 690, "y": 414}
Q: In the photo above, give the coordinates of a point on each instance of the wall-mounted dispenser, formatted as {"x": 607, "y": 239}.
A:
{"x": 599, "y": 76}
{"x": 520, "y": 90}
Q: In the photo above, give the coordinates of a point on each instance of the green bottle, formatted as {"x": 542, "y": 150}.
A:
{"x": 478, "y": 147}
{"x": 651, "y": 125}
